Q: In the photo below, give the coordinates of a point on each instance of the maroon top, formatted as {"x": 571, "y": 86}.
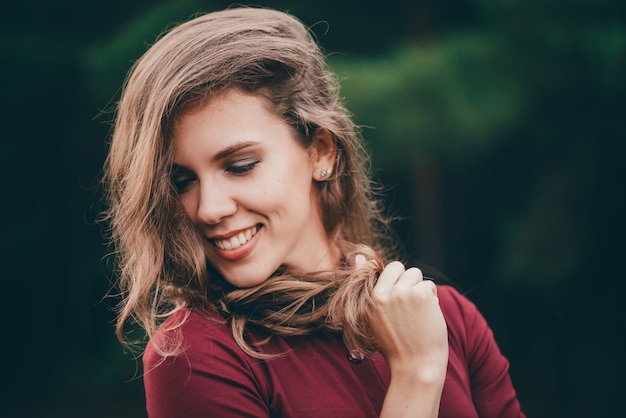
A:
{"x": 214, "y": 377}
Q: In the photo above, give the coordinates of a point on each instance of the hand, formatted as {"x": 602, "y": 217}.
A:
{"x": 407, "y": 322}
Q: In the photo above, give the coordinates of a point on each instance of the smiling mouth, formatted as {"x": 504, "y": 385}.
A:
{"x": 237, "y": 240}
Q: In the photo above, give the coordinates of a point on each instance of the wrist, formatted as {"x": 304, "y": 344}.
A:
{"x": 425, "y": 372}
{"x": 414, "y": 391}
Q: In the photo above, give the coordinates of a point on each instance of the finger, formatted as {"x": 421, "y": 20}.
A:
{"x": 432, "y": 286}
{"x": 360, "y": 261}
{"x": 427, "y": 288}
{"x": 388, "y": 278}
{"x": 410, "y": 278}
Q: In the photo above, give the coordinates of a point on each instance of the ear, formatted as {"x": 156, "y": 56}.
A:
{"x": 323, "y": 155}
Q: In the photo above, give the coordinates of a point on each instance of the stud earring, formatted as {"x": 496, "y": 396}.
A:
{"x": 324, "y": 173}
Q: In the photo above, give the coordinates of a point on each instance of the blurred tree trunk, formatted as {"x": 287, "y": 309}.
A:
{"x": 426, "y": 203}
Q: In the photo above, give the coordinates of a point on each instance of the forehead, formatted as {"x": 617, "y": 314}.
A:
{"x": 226, "y": 119}
{"x": 201, "y": 100}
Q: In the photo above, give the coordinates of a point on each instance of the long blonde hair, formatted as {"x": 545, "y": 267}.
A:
{"x": 160, "y": 262}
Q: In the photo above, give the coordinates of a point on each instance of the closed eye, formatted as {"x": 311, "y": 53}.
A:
{"x": 181, "y": 178}
{"x": 242, "y": 167}
{"x": 181, "y": 184}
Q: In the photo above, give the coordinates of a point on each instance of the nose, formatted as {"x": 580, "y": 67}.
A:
{"x": 215, "y": 203}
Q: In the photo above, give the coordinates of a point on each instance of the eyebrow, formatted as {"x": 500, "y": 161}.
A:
{"x": 230, "y": 150}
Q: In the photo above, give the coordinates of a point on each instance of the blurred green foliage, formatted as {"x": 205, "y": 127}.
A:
{"x": 450, "y": 98}
{"x": 497, "y": 128}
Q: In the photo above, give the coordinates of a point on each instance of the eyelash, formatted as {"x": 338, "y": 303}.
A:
{"x": 182, "y": 183}
{"x": 239, "y": 170}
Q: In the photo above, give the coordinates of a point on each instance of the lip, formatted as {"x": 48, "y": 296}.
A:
{"x": 232, "y": 233}
{"x": 240, "y": 252}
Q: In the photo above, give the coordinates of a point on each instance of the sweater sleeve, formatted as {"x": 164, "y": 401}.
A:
{"x": 209, "y": 378}
{"x": 490, "y": 383}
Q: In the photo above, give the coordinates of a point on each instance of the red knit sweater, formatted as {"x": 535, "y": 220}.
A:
{"x": 215, "y": 378}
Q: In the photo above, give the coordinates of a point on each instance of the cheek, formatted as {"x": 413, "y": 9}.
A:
{"x": 189, "y": 204}
{"x": 277, "y": 196}
{"x": 291, "y": 188}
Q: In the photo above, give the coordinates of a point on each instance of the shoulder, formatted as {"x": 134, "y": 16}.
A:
{"x": 454, "y": 305}
{"x": 466, "y": 325}
{"x": 469, "y": 335}
{"x": 206, "y": 370}
{"x": 189, "y": 333}
{"x": 477, "y": 370}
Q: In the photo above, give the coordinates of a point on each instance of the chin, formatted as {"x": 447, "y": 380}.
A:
{"x": 243, "y": 279}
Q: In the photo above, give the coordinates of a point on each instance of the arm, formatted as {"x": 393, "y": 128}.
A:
{"x": 412, "y": 335}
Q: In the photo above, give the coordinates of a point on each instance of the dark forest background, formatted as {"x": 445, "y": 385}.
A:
{"x": 497, "y": 128}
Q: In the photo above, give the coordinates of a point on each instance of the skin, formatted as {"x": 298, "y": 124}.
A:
{"x": 412, "y": 335}
{"x": 240, "y": 172}
{"x": 238, "y": 167}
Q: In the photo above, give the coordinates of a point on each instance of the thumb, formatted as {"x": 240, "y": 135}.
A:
{"x": 360, "y": 261}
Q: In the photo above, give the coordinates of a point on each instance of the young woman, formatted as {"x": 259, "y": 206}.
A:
{"x": 252, "y": 251}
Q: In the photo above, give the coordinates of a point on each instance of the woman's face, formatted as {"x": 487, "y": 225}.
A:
{"x": 248, "y": 186}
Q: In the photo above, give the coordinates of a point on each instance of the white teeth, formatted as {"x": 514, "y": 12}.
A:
{"x": 236, "y": 241}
